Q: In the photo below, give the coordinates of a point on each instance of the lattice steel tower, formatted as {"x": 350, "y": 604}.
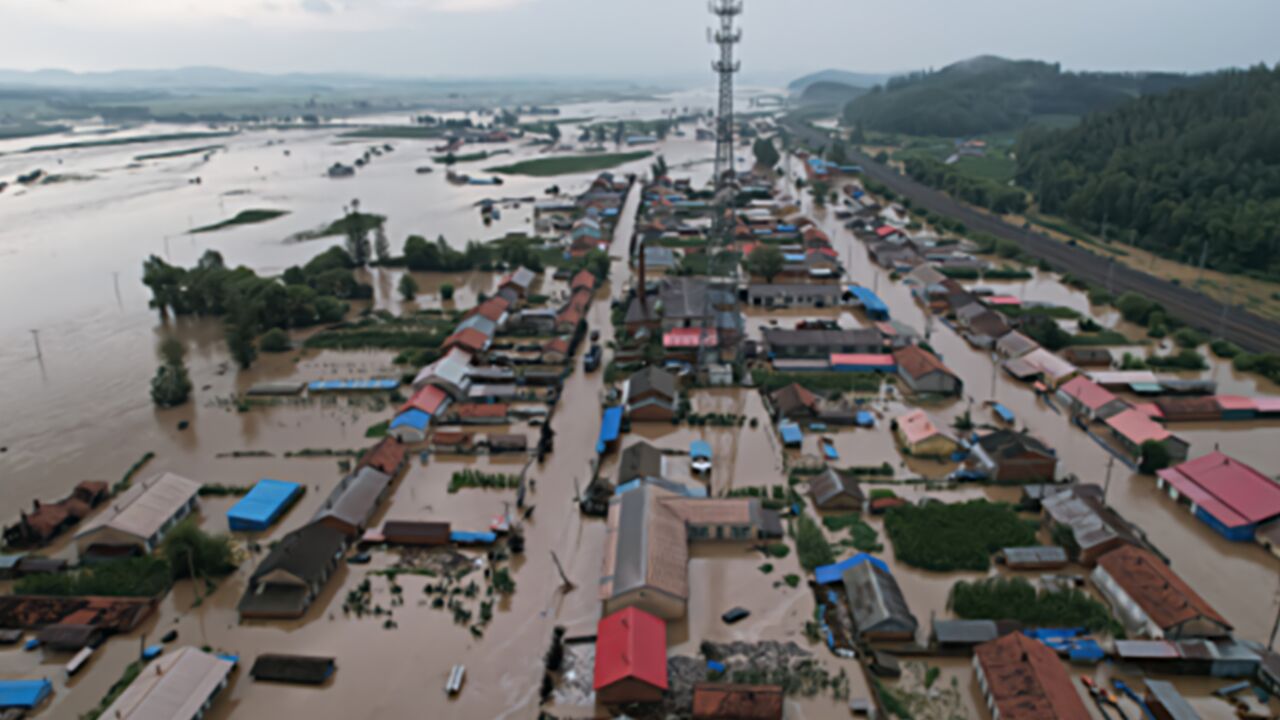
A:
{"x": 726, "y": 37}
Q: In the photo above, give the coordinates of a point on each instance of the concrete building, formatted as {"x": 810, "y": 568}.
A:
{"x": 813, "y": 343}
{"x": 354, "y": 501}
{"x": 1151, "y": 600}
{"x": 791, "y": 295}
{"x": 923, "y": 372}
{"x": 878, "y": 606}
{"x": 1132, "y": 428}
{"x": 919, "y": 436}
{"x": 1022, "y": 679}
{"x": 1227, "y": 495}
{"x": 646, "y": 557}
{"x": 650, "y": 394}
{"x": 1095, "y": 528}
{"x": 177, "y": 686}
{"x": 288, "y": 580}
{"x": 631, "y": 658}
{"x": 1006, "y": 456}
{"x": 834, "y": 491}
{"x": 1086, "y": 398}
{"x": 136, "y": 521}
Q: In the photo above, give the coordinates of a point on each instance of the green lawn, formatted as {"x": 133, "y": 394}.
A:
{"x": 997, "y": 166}
{"x": 566, "y": 164}
{"x": 138, "y": 140}
{"x": 398, "y": 132}
{"x": 244, "y": 217}
{"x": 177, "y": 153}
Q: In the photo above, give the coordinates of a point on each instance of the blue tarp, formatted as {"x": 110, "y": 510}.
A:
{"x": 473, "y": 538}
{"x": 700, "y": 449}
{"x": 865, "y": 419}
{"x": 341, "y": 385}
{"x": 829, "y": 450}
{"x": 610, "y": 427}
{"x": 871, "y": 303}
{"x": 1055, "y": 633}
{"x": 23, "y": 693}
{"x": 1004, "y": 412}
{"x": 715, "y": 666}
{"x": 828, "y": 574}
{"x": 1085, "y": 651}
{"x": 793, "y": 257}
{"x": 790, "y": 432}
{"x": 152, "y": 651}
{"x": 787, "y": 228}
{"x": 264, "y": 504}
{"x": 413, "y": 417}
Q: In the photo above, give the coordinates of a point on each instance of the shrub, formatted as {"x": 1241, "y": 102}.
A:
{"x": 188, "y": 549}
{"x": 446, "y": 292}
{"x": 959, "y": 536}
{"x": 274, "y": 340}
{"x": 1189, "y": 338}
{"x": 778, "y": 550}
{"x": 792, "y": 580}
{"x": 136, "y": 577}
{"x": 1224, "y": 348}
{"x": 811, "y": 544}
{"x": 1000, "y": 598}
{"x": 1155, "y": 456}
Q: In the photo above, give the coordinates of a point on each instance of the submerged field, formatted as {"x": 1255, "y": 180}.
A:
{"x": 566, "y": 164}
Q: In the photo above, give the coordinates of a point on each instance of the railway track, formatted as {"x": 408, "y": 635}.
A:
{"x": 1253, "y": 333}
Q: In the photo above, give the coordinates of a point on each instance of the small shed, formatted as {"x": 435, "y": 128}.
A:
{"x": 24, "y": 694}
{"x": 791, "y": 435}
{"x": 302, "y": 669}
{"x": 263, "y": 505}
{"x": 1166, "y": 703}
{"x": 610, "y": 429}
{"x": 1037, "y": 557}
{"x": 410, "y": 426}
{"x": 832, "y": 490}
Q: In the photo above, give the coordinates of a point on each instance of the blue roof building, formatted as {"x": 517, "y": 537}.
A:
{"x": 871, "y": 303}
{"x": 610, "y": 428}
{"x": 263, "y": 505}
{"x": 352, "y": 385}
{"x": 410, "y": 426}
{"x": 24, "y": 693}
{"x": 790, "y": 432}
{"x": 834, "y": 573}
{"x": 700, "y": 449}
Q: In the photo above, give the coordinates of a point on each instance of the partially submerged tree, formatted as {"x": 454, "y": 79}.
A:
{"x": 171, "y": 385}
{"x": 765, "y": 152}
{"x": 766, "y": 261}
{"x": 408, "y": 287}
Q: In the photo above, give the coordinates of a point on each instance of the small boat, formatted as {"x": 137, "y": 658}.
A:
{"x": 424, "y": 170}
{"x": 456, "y": 676}
{"x": 79, "y": 660}
{"x": 152, "y": 651}
{"x": 829, "y": 449}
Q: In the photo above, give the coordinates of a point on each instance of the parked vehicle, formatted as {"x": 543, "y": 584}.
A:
{"x": 591, "y": 361}
{"x": 734, "y": 615}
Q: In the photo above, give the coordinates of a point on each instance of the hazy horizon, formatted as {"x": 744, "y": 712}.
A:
{"x": 661, "y": 40}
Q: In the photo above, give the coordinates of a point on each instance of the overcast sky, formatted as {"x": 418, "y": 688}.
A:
{"x": 639, "y": 38}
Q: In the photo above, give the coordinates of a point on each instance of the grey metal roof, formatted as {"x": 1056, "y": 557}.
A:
{"x": 1175, "y": 706}
{"x": 876, "y": 601}
{"x": 966, "y": 632}
{"x": 829, "y": 484}
{"x": 653, "y": 379}
{"x": 865, "y": 337}
{"x": 1034, "y": 555}
{"x": 639, "y": 460}
{"x": 304, "y": 553}
{"x": 356, "y": 498}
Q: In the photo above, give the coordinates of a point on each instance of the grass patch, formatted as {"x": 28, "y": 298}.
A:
{"x": 139, "y": 140}
{"x": 131, "y": 673}
{"x": 811, "y": 544}
{"x": 1105, "y": 337}
{"x": 131, "y": 577}
{"x": 397, "y": 132}
{"x": 862, "y": 536}
{"x": 177, "y": 153}
{"x": 244, "y": 217}
{"x": 379, "y": 430}
{"x": 474, "y": 478}
{"x": 566, "y": 164}
{"x": 959, "y": 536}
{"x": 1016, "y": 599}
{"x": 361, "y": 221}
{"x": 769, "y": 381}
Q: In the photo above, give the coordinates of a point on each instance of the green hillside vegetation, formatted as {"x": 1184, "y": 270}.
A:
{"x": 1171, "y": 173}
{"x": 827, "y": 93}
{"x": 990, "y": 94}
{"x": 244, "y": 217}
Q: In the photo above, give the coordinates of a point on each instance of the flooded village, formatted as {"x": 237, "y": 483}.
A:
{"x": 532, "y": 413}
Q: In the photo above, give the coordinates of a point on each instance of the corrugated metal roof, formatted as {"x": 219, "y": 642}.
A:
{"x": 174, "y": 687}
{"x": 146, "y": 506}
{"x": 631, "y": 644}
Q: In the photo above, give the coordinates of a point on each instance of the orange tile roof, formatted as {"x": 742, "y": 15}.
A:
{"x": 1156, "y": 588}
{"x": 1026, "y": 680}
{"x": 918, "y": 362}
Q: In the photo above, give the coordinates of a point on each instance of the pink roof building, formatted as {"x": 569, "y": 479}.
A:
{"x": 689, "y": 338}
{"x": 1235, "y": 495}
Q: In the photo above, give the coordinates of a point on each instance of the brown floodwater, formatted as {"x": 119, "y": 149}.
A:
{"x": 75, "y": 415}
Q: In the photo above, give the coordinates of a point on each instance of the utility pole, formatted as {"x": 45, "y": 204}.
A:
{"x": 35, "y": 336}
{"x": 1111, "y": 461}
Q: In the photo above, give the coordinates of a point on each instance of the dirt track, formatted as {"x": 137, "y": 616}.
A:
{"x": 1247, "y": 330}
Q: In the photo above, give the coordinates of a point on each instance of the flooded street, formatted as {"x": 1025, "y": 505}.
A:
{"x": 70, "y": 258}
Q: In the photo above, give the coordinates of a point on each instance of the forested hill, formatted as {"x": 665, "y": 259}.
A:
{"x": 1169, "y": 172}
{"x": 990, "y": 94}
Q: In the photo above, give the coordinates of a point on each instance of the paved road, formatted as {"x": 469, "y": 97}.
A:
{"x": 1245, "y": 329}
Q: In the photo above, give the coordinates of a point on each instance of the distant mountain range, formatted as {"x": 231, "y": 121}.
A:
{"x": 841, "y": 77}
{"x": 992, "y": 94}
{"x": 829, "y": 94}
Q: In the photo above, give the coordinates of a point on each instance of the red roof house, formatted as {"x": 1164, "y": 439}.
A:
{"x": 1023, "y": 679}
{"x": 584, "y": 279}
{"x": 429, "y": 400}
{"x": 469, "y": 339}
{"x": 1233, "y": 498}
{"x": 631, "y": 657}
